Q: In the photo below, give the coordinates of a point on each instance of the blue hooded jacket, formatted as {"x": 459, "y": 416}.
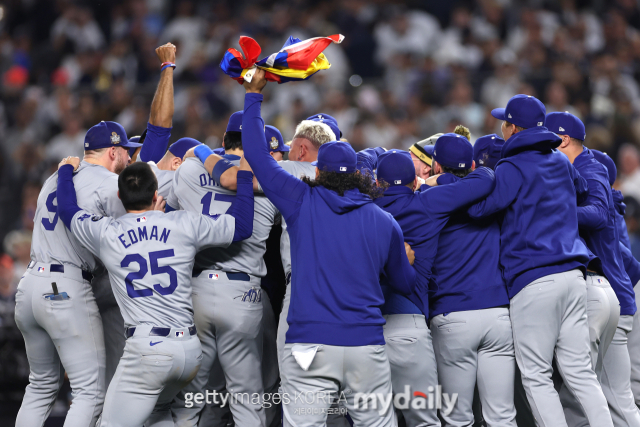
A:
{"x": 466, "y": 272}
{"x": 623, "y": 233}
{"x": 597, "y": 222}
{"x": 421, "y": 216}
{"x": 340, "y": 245}
{"x": 535, "y": 187}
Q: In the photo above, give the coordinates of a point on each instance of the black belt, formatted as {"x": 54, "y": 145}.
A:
{"x": 58, "y": 268}
{"x": 243, "y": 277}
{"x": 159, "y": 332}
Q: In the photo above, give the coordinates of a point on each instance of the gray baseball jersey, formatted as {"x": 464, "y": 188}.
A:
{"x": 96, "y": 190}
{"x": 149, "y": 257}
{"x": 298, "y": 169}
{"x": 194, "y": 190}
{"x": 165, "y": 179}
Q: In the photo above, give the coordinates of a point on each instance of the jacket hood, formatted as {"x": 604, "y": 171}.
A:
{"x": 538, "y": 138}
{"x": 352, "y": 199}
{"x": 391, "y": 195}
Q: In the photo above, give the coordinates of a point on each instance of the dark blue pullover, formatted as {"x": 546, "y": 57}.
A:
{"x": 623, "y": 233}
{"x": 340, "y": 245}
{"x": 466, "y": 272}
{"x": 598, "y": 228}
{"x": 535, "y": 187}
{"x": 155, "y": 143}
{"x": 421, "y": 216}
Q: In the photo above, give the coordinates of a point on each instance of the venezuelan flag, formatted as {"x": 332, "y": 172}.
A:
{"x": 297, "y": 60}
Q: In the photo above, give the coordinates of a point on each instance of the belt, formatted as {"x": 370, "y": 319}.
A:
{"x": 159, "y": 332}
{"x": 243, "y": 277}
{"x": 58, "y": 268}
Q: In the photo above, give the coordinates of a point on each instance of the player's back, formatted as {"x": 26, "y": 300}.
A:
{"x": 52, "y": 242}
{"x": 149, "y": 257}
{"x": 196, "y": 191}
{"x": 165, "y": 179}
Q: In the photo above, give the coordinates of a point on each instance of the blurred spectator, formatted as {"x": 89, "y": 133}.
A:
{"x": 629, "y": 161}
{"x": 77, "y": 26}
{"x": 17, "y": 244}
{"x": 69, "y": 142}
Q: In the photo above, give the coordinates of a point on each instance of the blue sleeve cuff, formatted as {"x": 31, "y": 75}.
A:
{"x": 168, "y": 208}
{"x": 242, "y": 208}
{"x": 202, "y": 152}
{"x": 221, "y": 167}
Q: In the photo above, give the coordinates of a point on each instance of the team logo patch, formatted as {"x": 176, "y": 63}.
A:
{"x": 539, "y": 123}
{"x": 40, "y": 269}
{"x": 561, "y": 129}
{"x": 142, "y": 219}
{"x": 397, "y": 182}
{"x": 461, "y": 165}
{"x": 179, "y": 334}
{"x": 273, "y": 143}
{"x": 96, "y": 218}
{"x": 510, "y": 116}
{"x": 115, "y": 138}
{"x": 86, "y": 145}
{"x": 343, "y": 169}
{"x": 214, "y": 276}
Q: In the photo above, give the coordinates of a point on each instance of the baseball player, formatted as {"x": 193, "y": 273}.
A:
{"x": 421, "y": 216}
{"x": 543, "y": 263}
{"x": 60, "y": 323}
{"x": 335, "y": 339}
{"x": 228, "y": 281}
{"x": 470, "y": 323}
{"x": 422, "y": 154}
{"x": 632, "y": 267}
{"x": 149, "y": 256}
{"x": 486, "y": 150}
{"x": 612, "y": 318}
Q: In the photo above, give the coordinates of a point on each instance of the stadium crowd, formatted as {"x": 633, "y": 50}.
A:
{"x": 403, "y": 73}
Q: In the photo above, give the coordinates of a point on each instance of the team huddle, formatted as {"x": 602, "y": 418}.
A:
{"x": 414, "y": 279}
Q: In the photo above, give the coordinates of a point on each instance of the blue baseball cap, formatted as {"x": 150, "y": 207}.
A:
{"x": 219, "y": 151}
{"x": 138, "y": 139}
{"x": 337, "y": 156}
{"x": 566, "y": 124}
{"x": 608, "y": 162}
{"x": 107, "y": 134}
{"x": 274, "y": 139}
{"x": 487, "y": 149}
{"x": 453, "y": 151}
{"x": 235, "y": 122}
{"x": 395, "y": 167}
{"x": 181, "y": 146}
{"x": 327, "y": 120}
{"x": 525, "y": 111}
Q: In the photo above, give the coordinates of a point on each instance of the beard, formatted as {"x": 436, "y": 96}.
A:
{"x": 119, "y": 166}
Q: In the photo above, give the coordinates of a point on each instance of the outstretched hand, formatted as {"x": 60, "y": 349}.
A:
{"x": 166, "y": 53}
{"x": 71, "y": 160}
{"x": 258, "y": 82}
{"x": 190, "y": 153}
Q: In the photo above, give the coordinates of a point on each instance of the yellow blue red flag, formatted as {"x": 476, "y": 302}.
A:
{"x": 297, "y": 60}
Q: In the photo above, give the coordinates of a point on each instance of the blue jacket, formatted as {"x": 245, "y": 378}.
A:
{"x": 597, "y": 222}
{"x": 466, "y": 271}
{"x": 631, "y": 265}
{"x": 340, "y": 245}
{"x": 623, "y": 233}
{"x": 535, "y": 189}
{"x": 421, "y": 216}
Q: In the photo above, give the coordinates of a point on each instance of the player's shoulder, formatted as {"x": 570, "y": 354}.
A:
{"x": 98, "y": 175}
{"x": 297, "y": 168}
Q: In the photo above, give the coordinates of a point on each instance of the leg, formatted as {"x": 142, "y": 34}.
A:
{"x": 239, "y": 343}
{"x": 309, "y": 390}
{"x": 217, "y": 414}
{"x": 455, "y": 342}
{"x": 185, "y": 409}
{"x": 616, "y": 375}
{"x": 283, "y": 326}
{"x": 496, "y": 354}
{"x": 44, "y": 378}
{"x": 367, "y": 371}
{"x": 270, "y": 374}
{"x": 138, "y": 382}
{"x": 572, "y": 351}
{"x": 633, "y": 345}
{"x": 413, "y": 364}
{"x": 536, "y": 315}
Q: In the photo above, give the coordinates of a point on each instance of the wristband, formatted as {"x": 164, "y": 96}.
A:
{"x": 166, "y": 65}
{"x": 221, "y": 167}
{"x": 202, "y": 152}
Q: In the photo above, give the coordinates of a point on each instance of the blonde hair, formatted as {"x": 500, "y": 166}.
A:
{"x": 464, "y": 131}
{"x": 317, "y": 133}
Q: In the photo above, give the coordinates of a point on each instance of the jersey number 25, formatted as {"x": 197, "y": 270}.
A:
{"x": 155, "y": 270}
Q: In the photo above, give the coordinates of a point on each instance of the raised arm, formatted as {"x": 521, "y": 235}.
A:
{"x": 242, "y": 208}
{"x": 283, "y": 189}
{"x": 161, "y": 116}
{"x": 507, "y": 186}
{"x": 445, "y": 199}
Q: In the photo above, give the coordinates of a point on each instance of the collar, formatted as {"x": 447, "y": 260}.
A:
{"x": 583, "y": 157}
{"x": 231, "y": 157}
{"x": 397, "y": 189}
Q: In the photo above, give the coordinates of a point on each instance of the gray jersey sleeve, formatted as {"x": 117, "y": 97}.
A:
{"x": 194, "y": 190}
{"x": 165, "y": 180}
{"x": 214, "y": 231}
{"x": 89, "y": 229}
{"x": 172, "y": 199}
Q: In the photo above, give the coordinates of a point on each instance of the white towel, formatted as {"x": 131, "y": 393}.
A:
{"x": 304, "y": 354}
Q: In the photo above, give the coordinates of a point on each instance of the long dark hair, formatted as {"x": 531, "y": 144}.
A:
{"x": 341, "y": 182}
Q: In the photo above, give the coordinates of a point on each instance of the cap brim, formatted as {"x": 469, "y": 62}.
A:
{"x": 284, "y": 149}
{"x": 314, "y": 163}
{"x": 498, "y": 113}
{"x": 130, "y": 144}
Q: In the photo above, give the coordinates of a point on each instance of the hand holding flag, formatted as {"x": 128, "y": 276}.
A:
{"x": 297, "y": 60}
